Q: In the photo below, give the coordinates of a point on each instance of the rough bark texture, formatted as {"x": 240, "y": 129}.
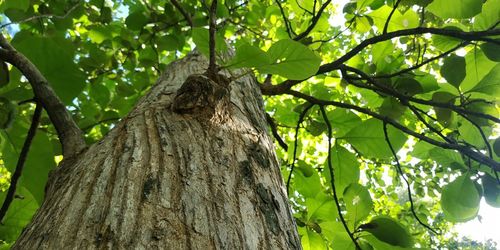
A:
{"x": 163, "y": 180}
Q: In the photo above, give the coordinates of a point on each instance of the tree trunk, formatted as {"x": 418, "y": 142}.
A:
{"x": 164, "y": 180}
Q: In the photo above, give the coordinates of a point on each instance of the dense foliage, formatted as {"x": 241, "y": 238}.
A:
{"x": 385, "y": 112}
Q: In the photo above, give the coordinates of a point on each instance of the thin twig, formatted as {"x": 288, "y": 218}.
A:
{"x": 43, "y": 16}
{"x": 288, "y": 26}
{"x": 332, "y": 182}
{"x": 425, "y": 62}
{"x": 183, "y": 12}
{"x": 314, "y": 21}
{"x": 295, "y": 143}
{"x": 400, "y": 171}
{"x": 21, "y": 160}
{"x": 274, "y": 130}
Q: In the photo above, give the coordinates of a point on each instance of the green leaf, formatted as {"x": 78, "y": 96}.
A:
{"x": 7, "y": 113}
{"x": 311, "y": 240}
{"x": 201, "y": 37}
{"x": 408, "y": 86}
{"x": 443, "y": 115}
{"x": 307, "y": 186}
{"x": 100, "y": 94}
{"x": 22, "y": 5}
{"x": 455, "y": 8}
{"x": 335, "y": 232}
{"x": 471, "y": 134}
{"x": 4, "y": 73}
{"x": 54, "y": 57}
{"x": 491, "y": 50}
{"x": 368, "y": 138}
{"x": 249, "y": 56}
{"x": 170, "y": 42}
{"x": 460, "y": 200}
{"x": 136, "y": 20}
{"x": 392, "y": 108}
{"x": 345, "y": 167}
{"x": 19, "y": 214}
{"x": 389, "y": 230}
{"x": 291, "y": 60}
{"x": 342, "y": 121}
{"x": 453, "y": 70}
{"x": 477, "y": 66}
{"x": 358, "y": 203}
{"x": 489, "y": 16}
{"x": 398, "y": 21}
{"x": 446, "y": 158}
{"x": 490, "y": 84}
{"x": 321, "y": 208}
{"x": 491, "y": 190}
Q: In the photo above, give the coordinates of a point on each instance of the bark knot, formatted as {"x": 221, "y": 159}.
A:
{"x": 201, "y": 95}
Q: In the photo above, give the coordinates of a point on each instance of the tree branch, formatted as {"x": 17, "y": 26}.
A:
{"x": 400, "y": 96}
{"x": 462, "y": 149}
{"x": 212, "y": 67}
{"x": 394, "y": 8}
{"x": 183, "y": 12}
{"x": 314, "y": 21}
{"x": 70, "y": 135}
{"x": 21, "y": 160}
{"x": 288, "y": 26}
{"x": 466, "y": 36}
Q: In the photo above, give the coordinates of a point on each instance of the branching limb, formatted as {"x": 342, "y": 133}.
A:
{"x": 400, "y": 171}
{"x": 21, "y": 160}
{"x": 332, "y": 181}
{"x": 325, "y": 68}
{"x": 314, "y": 21}
{"x": 70, "y": 135}
{"x": 477, "y": 156}
{"x": 295, "y": 143}
{"x": 394, "y": 93}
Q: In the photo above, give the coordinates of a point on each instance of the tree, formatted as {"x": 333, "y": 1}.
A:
{"x": 387, "y": 124}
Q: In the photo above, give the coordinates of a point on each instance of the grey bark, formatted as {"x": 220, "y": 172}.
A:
{"x": 163, "y": 180}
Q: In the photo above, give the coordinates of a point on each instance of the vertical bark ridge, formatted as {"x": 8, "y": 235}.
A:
{"x": 161, "y": 180}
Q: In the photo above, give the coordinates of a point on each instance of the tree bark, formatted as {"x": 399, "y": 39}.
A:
{"x": 164, "y": 180}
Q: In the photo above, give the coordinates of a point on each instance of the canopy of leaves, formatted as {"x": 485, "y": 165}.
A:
{"x": 387, "y": 110}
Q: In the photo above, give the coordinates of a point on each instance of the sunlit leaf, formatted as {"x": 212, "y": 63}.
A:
{"x": 19, "y": 214}
{"x": 358, "y": 203}
{"x": 292, "y": 60}
{"x": 388, "y": 230}
{"x": 460, "y": 199}
{"x": 369, "y": 139}
{"x": 455, "y": 8}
